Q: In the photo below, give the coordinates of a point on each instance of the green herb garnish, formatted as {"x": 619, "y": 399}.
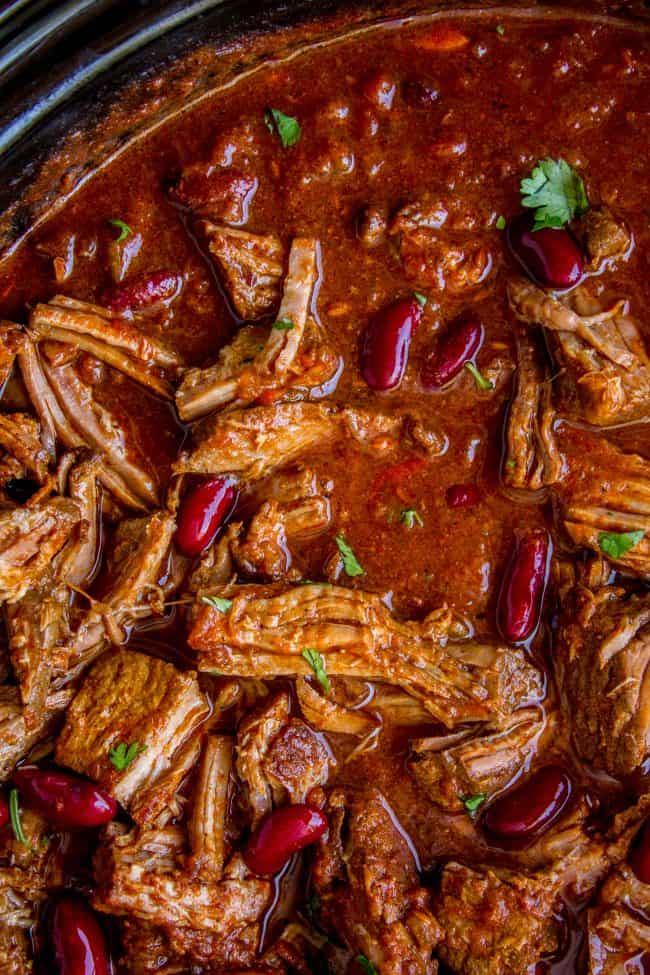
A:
{"x": 410, "y": 517}
{"x": 217, "y": 602}
{"x": 511, "y": 464}
{"x": 283, "y": 325}
{"x": 284, "y": 126}
{"x": 555, "y": 192}
{"x": 501, "y": 223}
{"x": 366, "y": 964}
{"x": 617, "y": 544}
{"x": 500, "y": 29}
{"x": 124, "y": 229}
{"x": 473, "y": 803}
{"x": 479, "y": 379}
{"x": 420, "y": 298}
{"x": 351, "y": 564}
{"x": 317, "y": 664}
{"x": 14, "y": 815}
{"x": 124, "y": 754}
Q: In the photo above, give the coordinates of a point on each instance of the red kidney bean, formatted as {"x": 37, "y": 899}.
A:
{"x": 463, "y": 496}
{"x": 385, "y": 343}
{"x": 531, "y": 807}
{"x": 522, "y": 589}
{"x": 4, "y": 811}
{"x": 282, "y": 833}
{"x": 204, "y": 510}
{"x": 551, "y": 257}
{"x": 143, "y": 292}
{"x": 639, "y": 857}
{"x": 64, "y": 800}
{"x": 458, "y": 345}
{"x": 78, "y": 940}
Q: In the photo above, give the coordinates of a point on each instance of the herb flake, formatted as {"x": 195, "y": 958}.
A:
{"x": 501, "y": 222}
{"x": 555, "y": 192}
{"x": 618, "y": 544}
{"x": 420, "y": 298}
{"x": 500, "y": 29}
{"x": 366, "y": 965}
{"x": 283, "y": 325}
{"x": 124, "y": 229}
{"x": 14, "y": 816}
{"x": 473, "y": 803}
{"x": 317, "y": 664}
{"x": 478, "y": 377}
{"x": 284, "y": 126}
{"x": 124, "y": 754}
{"x": 351, "y": 564}
{"x": 217, "y": 602}
{"x": 410, "y": 517}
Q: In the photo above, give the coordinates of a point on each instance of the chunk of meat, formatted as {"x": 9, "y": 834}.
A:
{"x": 20, "y": 436}
{"x": 494, "y": 923}
{"x": 366, "y": 878}
{"x": 130, "y": 698}
{"x": 210, "y": 808}
{"x": 448, "y": 771}
{"x": 16, "y": 739}
{"x": 251, "y": 268}
{"x": 267, "y": 628}
{"x": 23, "y": 888}
{"x": 254, "y": 737}
{"x": 11, "y": 341}
{"x": 255, "y": 442}
{"x": 29, "y": 539}
{"x": 140, "y": 875}
{"x": 602, "y": 654}
{"x": 618, "y": 932}
{"x": 222, "y": 193}
{"x": 117, "y": 341}
{"x": 615, "y": 498}
{"x": 438, "y": 253}
{"x": 257, "y": 363}
{"x": 532, "y": 457}
{"x": 605, "y": 239}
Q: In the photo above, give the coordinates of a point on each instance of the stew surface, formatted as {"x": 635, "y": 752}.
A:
{"x": 325, "y": 524}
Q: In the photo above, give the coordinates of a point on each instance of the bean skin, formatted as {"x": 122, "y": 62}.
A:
{"x": 463, "y": 496}
{"x": 530, "y": 808}
{"x": 458, "y": 345}
{"x": 204, "y": 510}
{"x": 386, "y": 341}
{"x": 64, "y": 800}
{"x": 282, "y": 833}
{"x": 78, "y": 941}
{"x": 522, "y": 591}
{"x": 143, "y": 292}
{"x": 551, "y": 257}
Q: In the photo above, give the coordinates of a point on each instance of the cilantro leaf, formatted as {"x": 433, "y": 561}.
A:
{"x": 14, "y": 815}
{"x": 420, "y": 298}
{"x": 479, "y": 379}
{"x": 501, "y": 222}
{"x": 500, "y": 29}
{"x": 124, "y": 229}
{"x": 555, "y": 192}
{"x": 473, "y": 803}
{"x": 284, "y": 126}
{"x": 283, "y": 325}
{"x": 617, "y": 544}
{"x": 366, "y": 964}
{"x": 123, "y": 754}
{"x": 350, "y": 562}
{"x": 317, "y": 664}
{"x": 217, "y": 602}
{"x": 410, "y": 517}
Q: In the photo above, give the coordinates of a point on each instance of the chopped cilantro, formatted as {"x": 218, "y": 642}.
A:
{"x": 124, "y": 754}
{"x": 410, "y": 517}
{"x": 617, "y": 544}
{"x": 420, "y": 298}
{"x": 124, "y": 229}
{"x": 511, "y": 463}
{"x": 350, "y": 562}
{"x": 500, "y": 29}
{"x": 284, "y": 126}
{"x": 555, "y": 192}
{"x": 367, "y": 965}
{"x": 473, "y": 803}
{"x": 501, "y": 222}
{"x": 283, "y": 325}
{"x": 479, "y": 379}
{"x": 217, "y": 602}
{"x": 317, "y": 664}
{"x": 14, "y": 815}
